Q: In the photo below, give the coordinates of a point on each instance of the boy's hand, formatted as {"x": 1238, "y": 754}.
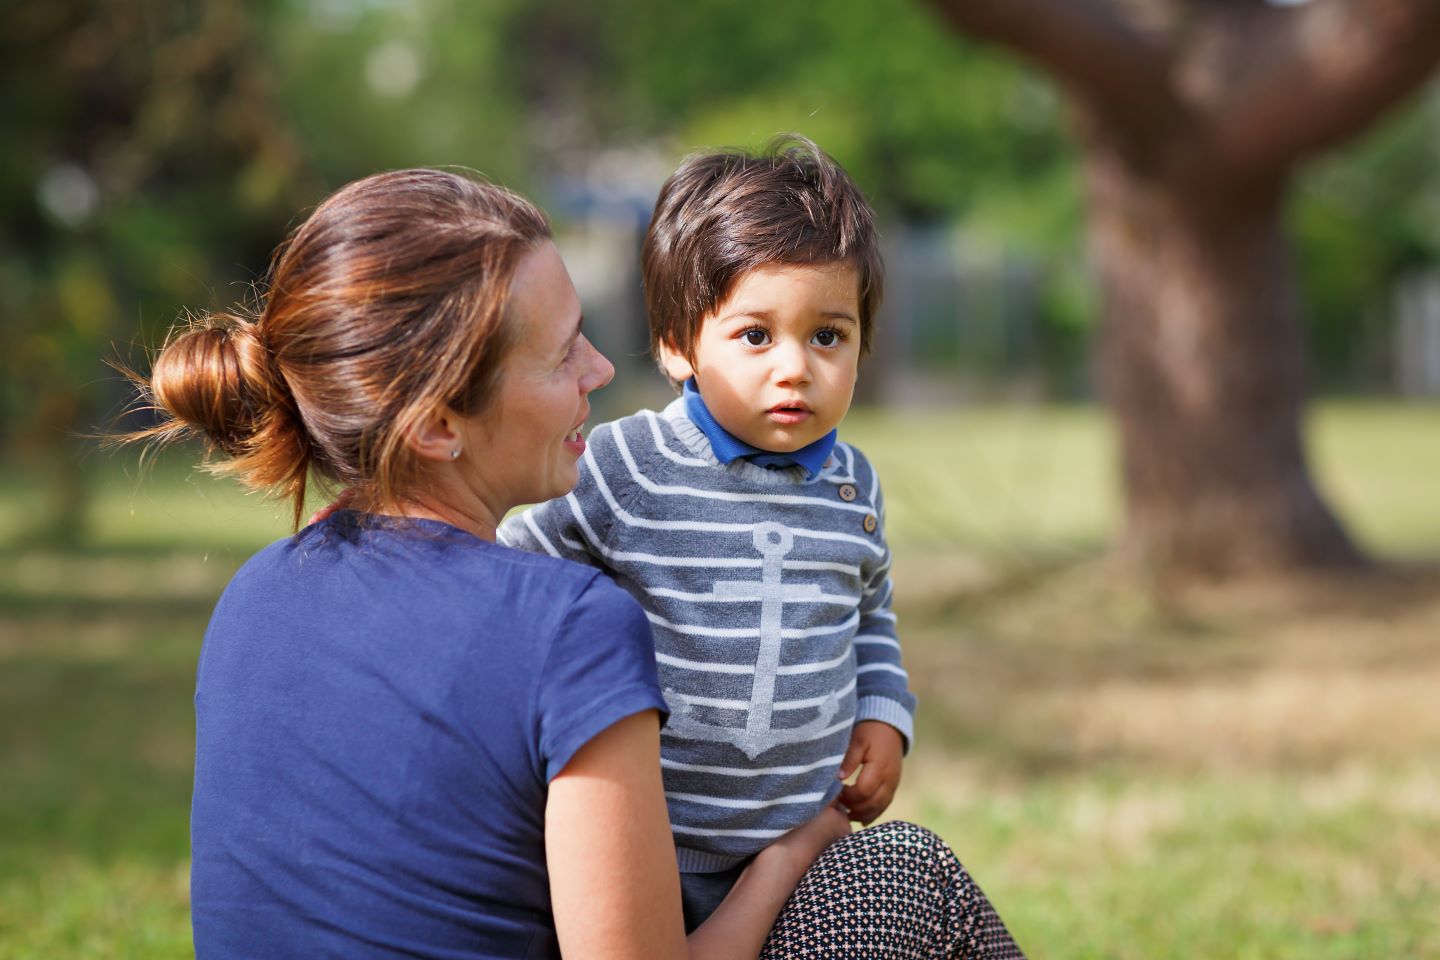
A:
{"x": 876, "y": 748}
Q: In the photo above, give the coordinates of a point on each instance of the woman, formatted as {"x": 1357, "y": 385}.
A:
{"x": 412, "y": 741}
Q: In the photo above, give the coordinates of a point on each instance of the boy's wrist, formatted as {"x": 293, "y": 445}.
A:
{"x": 889, "y": 712}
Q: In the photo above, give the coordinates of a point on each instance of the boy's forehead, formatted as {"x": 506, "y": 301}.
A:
{"x": 837, "y": 280}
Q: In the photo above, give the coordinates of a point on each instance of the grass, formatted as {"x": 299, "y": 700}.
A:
{"x": 1246, "y": 773}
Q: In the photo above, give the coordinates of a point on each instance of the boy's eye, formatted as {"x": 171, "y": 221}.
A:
{"x": 826, "y": 338}
{"x": 755, "y": 337}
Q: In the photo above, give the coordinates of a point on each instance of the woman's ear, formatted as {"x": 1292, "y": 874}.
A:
{"x": 673, "y": 362}
{"x": 437, "y": 437}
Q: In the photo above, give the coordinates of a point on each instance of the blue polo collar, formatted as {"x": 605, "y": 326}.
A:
{"x": 728, "y": 447}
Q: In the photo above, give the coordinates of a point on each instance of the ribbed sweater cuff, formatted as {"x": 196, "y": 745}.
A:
{"x": 702, "y": 861}
{"x": 887, "y": 711}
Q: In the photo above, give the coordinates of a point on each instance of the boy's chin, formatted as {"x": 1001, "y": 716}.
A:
{"x": 788, "y": 441}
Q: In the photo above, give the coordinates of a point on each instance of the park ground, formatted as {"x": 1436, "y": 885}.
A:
{"x": 1132, "y": 770}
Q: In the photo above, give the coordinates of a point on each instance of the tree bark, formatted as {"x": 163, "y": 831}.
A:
{"x": 1194, "y": 115}
{"x": 1202, "y": 360}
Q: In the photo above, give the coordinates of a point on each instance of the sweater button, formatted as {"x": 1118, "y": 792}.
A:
{"x": 847, "y": 492}
{"x": 869, "y": 523}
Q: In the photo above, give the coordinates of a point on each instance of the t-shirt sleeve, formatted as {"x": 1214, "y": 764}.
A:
{"x": 600, "y": 669}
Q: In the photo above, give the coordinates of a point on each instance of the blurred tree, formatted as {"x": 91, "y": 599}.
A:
{"x": 896, "y": 113}
{"x": 1193, "y": 117}
{"x": 141, "y": 138}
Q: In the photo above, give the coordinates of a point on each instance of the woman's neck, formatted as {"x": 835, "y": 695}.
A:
{"x": 472, "y": 517}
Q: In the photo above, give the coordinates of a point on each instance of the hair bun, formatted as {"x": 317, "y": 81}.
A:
{"x": 215, "y": 378}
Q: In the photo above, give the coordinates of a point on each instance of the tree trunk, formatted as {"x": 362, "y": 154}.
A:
{"x": 1202, "y": 361}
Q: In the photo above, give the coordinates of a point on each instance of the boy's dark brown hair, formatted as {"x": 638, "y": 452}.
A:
{"x": 724, "y": 213}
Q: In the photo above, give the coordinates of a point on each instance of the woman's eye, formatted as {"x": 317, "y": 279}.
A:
{"x": 756, "y": 337}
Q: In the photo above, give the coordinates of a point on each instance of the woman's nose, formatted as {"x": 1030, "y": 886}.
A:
{"x": 601, "y": 371}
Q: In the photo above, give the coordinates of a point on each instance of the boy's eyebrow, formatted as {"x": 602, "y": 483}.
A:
{"x": 744, "y": 313}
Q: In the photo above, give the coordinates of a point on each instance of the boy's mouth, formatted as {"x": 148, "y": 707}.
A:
{"x": 790, "y": 412}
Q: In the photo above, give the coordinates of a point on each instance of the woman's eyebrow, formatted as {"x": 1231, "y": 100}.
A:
{"x": 570, "y": 340}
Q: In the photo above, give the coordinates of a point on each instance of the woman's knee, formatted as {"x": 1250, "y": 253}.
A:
{"x": 901, "y": 835}
{"x": 900, "y": 845}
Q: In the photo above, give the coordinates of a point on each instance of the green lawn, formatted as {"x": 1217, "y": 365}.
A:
{"x": 1253, "y": 773}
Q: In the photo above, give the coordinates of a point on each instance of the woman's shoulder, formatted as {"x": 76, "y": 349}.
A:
{"x": 442, "y": 580}
{"x": 398, "y": 558}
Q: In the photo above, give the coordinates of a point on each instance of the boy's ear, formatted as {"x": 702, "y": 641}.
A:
{"x": 673, "y": 362}
{"x": 436, "y": 437}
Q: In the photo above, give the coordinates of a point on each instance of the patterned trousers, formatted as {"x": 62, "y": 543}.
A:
{"x": 892, "y": 891}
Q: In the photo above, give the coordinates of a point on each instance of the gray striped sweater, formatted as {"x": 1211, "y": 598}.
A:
{"x": 769, "y": 597}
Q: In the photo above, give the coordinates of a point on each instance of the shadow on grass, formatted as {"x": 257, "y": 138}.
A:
{"x": 83, "y": 610}
{"x": 97, "y": 761}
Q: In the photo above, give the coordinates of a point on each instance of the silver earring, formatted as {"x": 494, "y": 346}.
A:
{"x": 455, "y": 454}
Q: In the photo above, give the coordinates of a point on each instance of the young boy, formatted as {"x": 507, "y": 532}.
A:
{"x": 754, "y": 540}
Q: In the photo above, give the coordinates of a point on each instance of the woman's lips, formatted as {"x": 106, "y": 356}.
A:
{"x": 575, "y": 443}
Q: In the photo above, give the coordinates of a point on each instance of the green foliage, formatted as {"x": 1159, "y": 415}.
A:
{"x": 1363, "y": 221}
{"x": 929, "y": 124}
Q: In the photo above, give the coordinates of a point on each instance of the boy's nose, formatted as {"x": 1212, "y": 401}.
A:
{"x": 791, "y": 366}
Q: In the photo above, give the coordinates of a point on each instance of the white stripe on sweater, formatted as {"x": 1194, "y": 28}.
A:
{"x": 574, "y": 503}
{"x": 792, "y": 669}
{"x": 710, "y": 597}
{"x": 886, "y": 585}
{"x": 632, "y": 556}
{"x": 888, "y": 667}
{"x": 798, "y": 668}
{"x": 779, "y": 705}
{"x": 736, "y": 804}
{"x": 535, "y": 529}
{"x": 829, "y": 731}
{"x": 783, "y": 771}
{"x": 664, "y": 448}
{"x": 789, "y": 633}
{"x": 702, "y": 832}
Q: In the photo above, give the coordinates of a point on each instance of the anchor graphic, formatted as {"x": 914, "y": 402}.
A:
{"x": 773, "y": 541}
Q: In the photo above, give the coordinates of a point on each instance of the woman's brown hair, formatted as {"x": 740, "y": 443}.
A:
{"x": 386, "y": 304}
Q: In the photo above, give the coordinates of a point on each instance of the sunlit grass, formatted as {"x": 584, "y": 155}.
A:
{"x": 1380, "y": 465}
{"x": 1260, "y": 865}
{"x": 1243, "y": 775}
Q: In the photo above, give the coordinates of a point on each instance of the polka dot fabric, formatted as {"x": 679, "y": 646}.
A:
{"x": 894, "y": 891}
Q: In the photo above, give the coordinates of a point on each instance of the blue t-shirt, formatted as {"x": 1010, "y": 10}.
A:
{"x": 380, "y": 708}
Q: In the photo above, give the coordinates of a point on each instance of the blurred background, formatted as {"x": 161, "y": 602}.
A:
{"x": 1153, "y": 398}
